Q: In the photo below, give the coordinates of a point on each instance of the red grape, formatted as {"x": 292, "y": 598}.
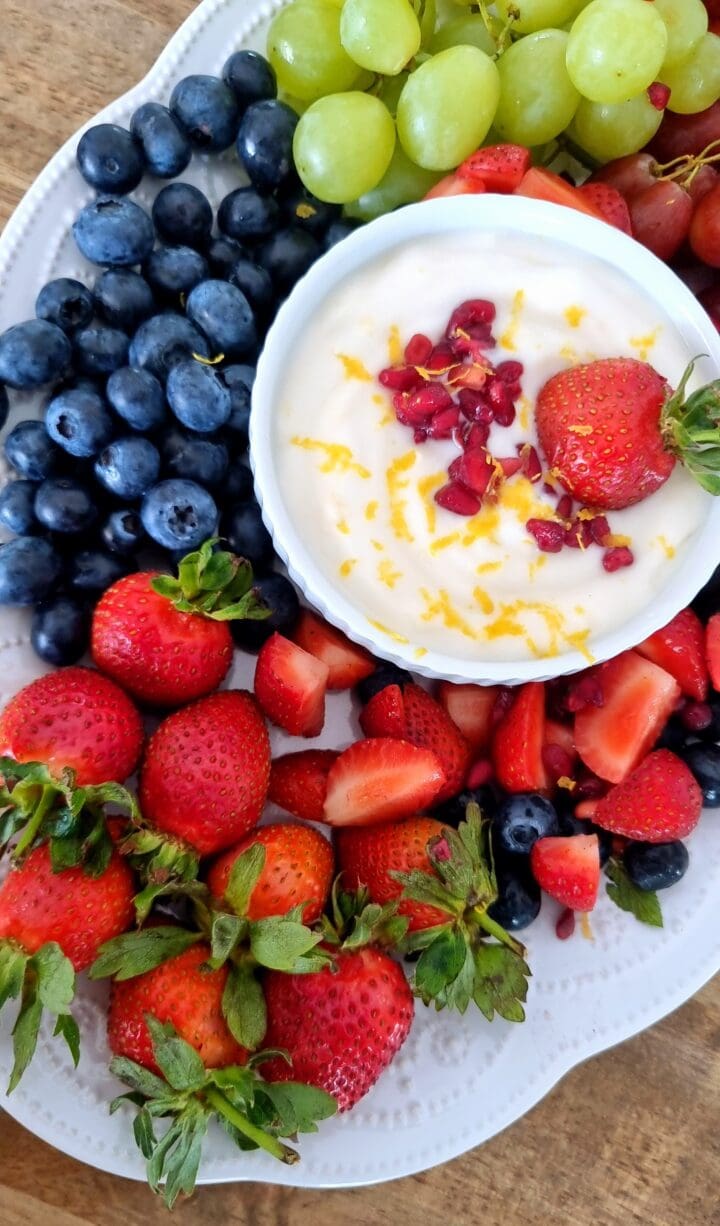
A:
{"x": 702, "y": 182}
{"x": 661, "y": 217}
{"x": 681, "y": 134}
{"x": 628, "y": 175}
{"x": 705, "y": 229}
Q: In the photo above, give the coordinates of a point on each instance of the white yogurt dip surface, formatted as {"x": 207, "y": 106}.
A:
{"x": 361, "y": 491}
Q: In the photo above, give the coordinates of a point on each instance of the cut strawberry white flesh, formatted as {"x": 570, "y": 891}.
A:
{"x": 381, "y": 779}
{"x": 471, "y": 708}
{"x": 348, "y": 664}
{"x": 568, "y": 869}
{"x": 290, "y": 686}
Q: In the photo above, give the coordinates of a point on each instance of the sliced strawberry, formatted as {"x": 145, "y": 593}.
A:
{"x": 455, "y": 185}
{"x": 298, "y": 782}
{"x": 429, "y": 726}
{"x": 608, "y": 201}
{"x": 679, "y": 648}
{"x": 540, "y": 184}
{"x": 384, "y": 714}
{"x": 348, "y": 663}
{"x": 659, "y": 802}
{"x": 560, "y": 734}
{"x": 470, "y": 708}
{"x": 712, "y": 649}
{"x": 639, "y": 698}
{"x": 501, "y": 168}
{"x": 381, "y": 779}
{"x": 518, "y": 741}
{"x": 290, "y": 686}
{"x": 568, "y": 869}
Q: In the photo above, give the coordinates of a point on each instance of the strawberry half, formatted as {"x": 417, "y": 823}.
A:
{"x": 679, "y": 648}
{"x": 347, "y": 663}
{"x": 471, "y": 709}
{"x": 411, "y": 714}
{"x": 518, "y": 742}
{"x": 380, "y": 779}
{"x": 568, "y": 869}
{"x": 500, "y": 168}
{"x": 712, "y": 648}
{"x": 298, "y": 782}
{"x": 290, "y": 686}
{"x": 659, "y": 802}
{"x": 639, "y": 698}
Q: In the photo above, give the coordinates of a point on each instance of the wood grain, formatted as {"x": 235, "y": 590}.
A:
{"x": 632, "y": 1137}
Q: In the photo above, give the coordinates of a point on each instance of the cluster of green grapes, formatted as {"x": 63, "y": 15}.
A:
{"x": 394, "y": 93}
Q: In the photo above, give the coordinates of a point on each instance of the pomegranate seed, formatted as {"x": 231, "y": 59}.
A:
{"x": 549, "y": 535}
{"x": 472, "y": 376}
{"x": 530, "y": 462}
{"x": 589, "y": 788}
{"x": 457, "y": 498}
{"x": 549, "y": 489}
{"x": 565, "y": 925}
{"x": 585, "y": 692}
{"x": 475, "y": 405}
{"x": 469, "y": 314}
{"x": 586, "y": 810}
{"x": 476, "y": 436}
{"x": 614, "y": 559}
{"x": 565, "y": 507}
{"x": 418, "y": 349}
{"x": 480, "y": 773}
{"x": 659, "y": 95}
{"x": 514, "y": 391}
{"x": 443, "y": 422}
{"x": 600, "y": 529}
{"x": 696, "y": 716}
{"x": 509, "y": 372}
{"x": 473, "y": 346}
{"x": 510, "y": 465}
{"x": 504, "y": 699}
{"x": 400, "y": 378}
{"x": 557, "y": 761}
{"x": 430, "y": 399}
{"x": 475, "y": 469}
{"x": 440, "y": 360}
{"x": 503, "y": 406}
{"x": 578, "y": 535}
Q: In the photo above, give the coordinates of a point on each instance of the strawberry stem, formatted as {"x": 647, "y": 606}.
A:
{"x": 29, "y": 834}
{"x": 270, "y": 1144}
{"x": 691, "y": 430}
{"x": 495, "y": 930}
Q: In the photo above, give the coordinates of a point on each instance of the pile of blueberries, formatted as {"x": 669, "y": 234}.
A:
{"x": 139, "y": 455}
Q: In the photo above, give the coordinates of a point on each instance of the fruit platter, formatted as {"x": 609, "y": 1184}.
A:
{"x": 359, "y": 587}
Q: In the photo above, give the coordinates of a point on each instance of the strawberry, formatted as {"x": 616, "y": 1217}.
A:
{"x": 168, "y": 640}
{"x": 568, "y": 869}
{"x": 298, "y": 782}
{"x": 518, "y": 741}
{"x": 609, "y": 202}
{"x": 712, "y": 648}
{"x": 348, "y": 663}
{"x": 455, "y": 185}
{"x": 290, "y": 686}
{"x": 368, "y": 855}
{"x": 411, "y": 714}
{"x": 612, "y": 430}
{"x": 638, "y": 700}
{"x": 297, "y": 871}
{"x": 471, "y": 708}
{"x": 500, "y": 168}
{"x": 205, "y": 773}
{"x": 679, "y": 648}
{"x": 541, "y": 184}
{"x": 74, "y": 718}
{"x": 561, "y": 735}
{"x": 380, "y": 779}
{"x": 659, "y": 802}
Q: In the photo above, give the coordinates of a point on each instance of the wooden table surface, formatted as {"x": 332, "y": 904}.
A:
{"x": 633, "y": 1136}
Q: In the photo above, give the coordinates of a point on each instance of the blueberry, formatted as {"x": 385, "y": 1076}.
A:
{"x": 337, "y": 231}
{"x": 60, "y": 630}
{"x": 172, "y": 271}
{"x": 166, "y": 148}
{"x": 78, "y": 420}
{"x": 256, "y": 284}
{"x": 704, "y": 762}
{"x": 247, "y": 535}
{"x": 280, "y": 596}
{"x": 137, "y": 397}
{"x": 384, "y": 675}
{"x": 65, "y": 302}
{"x": 17, "y": 507}
{"x": 30, "y": 452}
{"x": 287, "y": 255}
{"x": 300, "y": 208}
{"x": 238, "y": 483}
{"x": 109, "y": 159}
{"x": 95, "y": 570}
{"x": 223, "y": 254}
{"x": 182, "y": 214}
{"x": 128, "y": 466}
{"x": 4, "y": 406}
{"x": 123, "y": 298}
{"x": 114, "y": 232}
{"x": 29, "y": 570}
{"x": 223, "y": 314}
{"x": 250, "y": 77}
{"x": 655, "y": 866}
{"x": 64, "y": 505}
{"x": 33, "y": 353}
{"x": 164, "y": 340}
{"x": 207, "y": 110}
{"x": 519, "y": 896}
{"x": 522, "y": 819}
{"x": 187, "y": 455}
{"x": 571, "y": 825}
{"x": 674, "y": 735}
{"x": 239, "y": 380}
{"x": 179, "y": 514}
{"x": 265, "y": 141}
{"x": 123, "y": 532}
{"x": 453, "y": 811}
{"x": 198, "y": 397}
{"x": 245, "y": 214}
{"x": 100, "y": 349}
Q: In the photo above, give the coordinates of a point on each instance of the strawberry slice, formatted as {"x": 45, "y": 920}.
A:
{"x": 561, "y": 735}
{"x": 712, "y": 649}
{"x": 679, "y": 648}
{"x": 518, "y": 741}
{"x": 379, "y": 780}
{"x": 639, "y": 698}
{"x": 470, "y": 708}
{"x": 608, "y": 201}
{"x": 290, "y": 686}
{"x": 348, "y": 663}
{"x": 659, "y": 802}
{"x": 501, "y": 168}
{"x": 540, "y": 184}
{"x": 384, "y": 714}
{"x": 568, "y": 869}
{"x": 298, "y": 782}
{"x": 411, "y": 714}
{"x": 455, "y": 185}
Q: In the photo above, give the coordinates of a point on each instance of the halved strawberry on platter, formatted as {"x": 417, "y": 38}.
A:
{"x": 379, "y": 779}
{"x": 679, "y": 648}
{"x": 568, "y": 869}
{"x": 348, "y": 664}
{"x": 517, "y": 748}
{"x": 413, "y": 715}
{"x": 290, "y": 686}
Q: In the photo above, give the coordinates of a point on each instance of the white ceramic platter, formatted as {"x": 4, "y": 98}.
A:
{"x": 458, "y": 1080}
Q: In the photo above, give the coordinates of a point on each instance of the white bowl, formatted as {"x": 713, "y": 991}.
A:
{"x": 503, "y": 216}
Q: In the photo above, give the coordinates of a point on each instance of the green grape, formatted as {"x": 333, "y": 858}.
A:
{"x": 537, "y": 14}
{"x": 469, "y": 31}
{"x": 428, "y": 21}
{"x": 447, "y": 106}
{"x": 611, "y": 131}
{"x": 685, "y": 21}
{"x": 390, "y": 91}
{"x": 402, "y": 183}
{"x": 343, "y": 145}
{"x": 537, "y": 97}
{"x": 304, "y": 48}
{"x": 695, "y": 83}
{"x": 382, "y": 35}
{"x": 615, "y": 49}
